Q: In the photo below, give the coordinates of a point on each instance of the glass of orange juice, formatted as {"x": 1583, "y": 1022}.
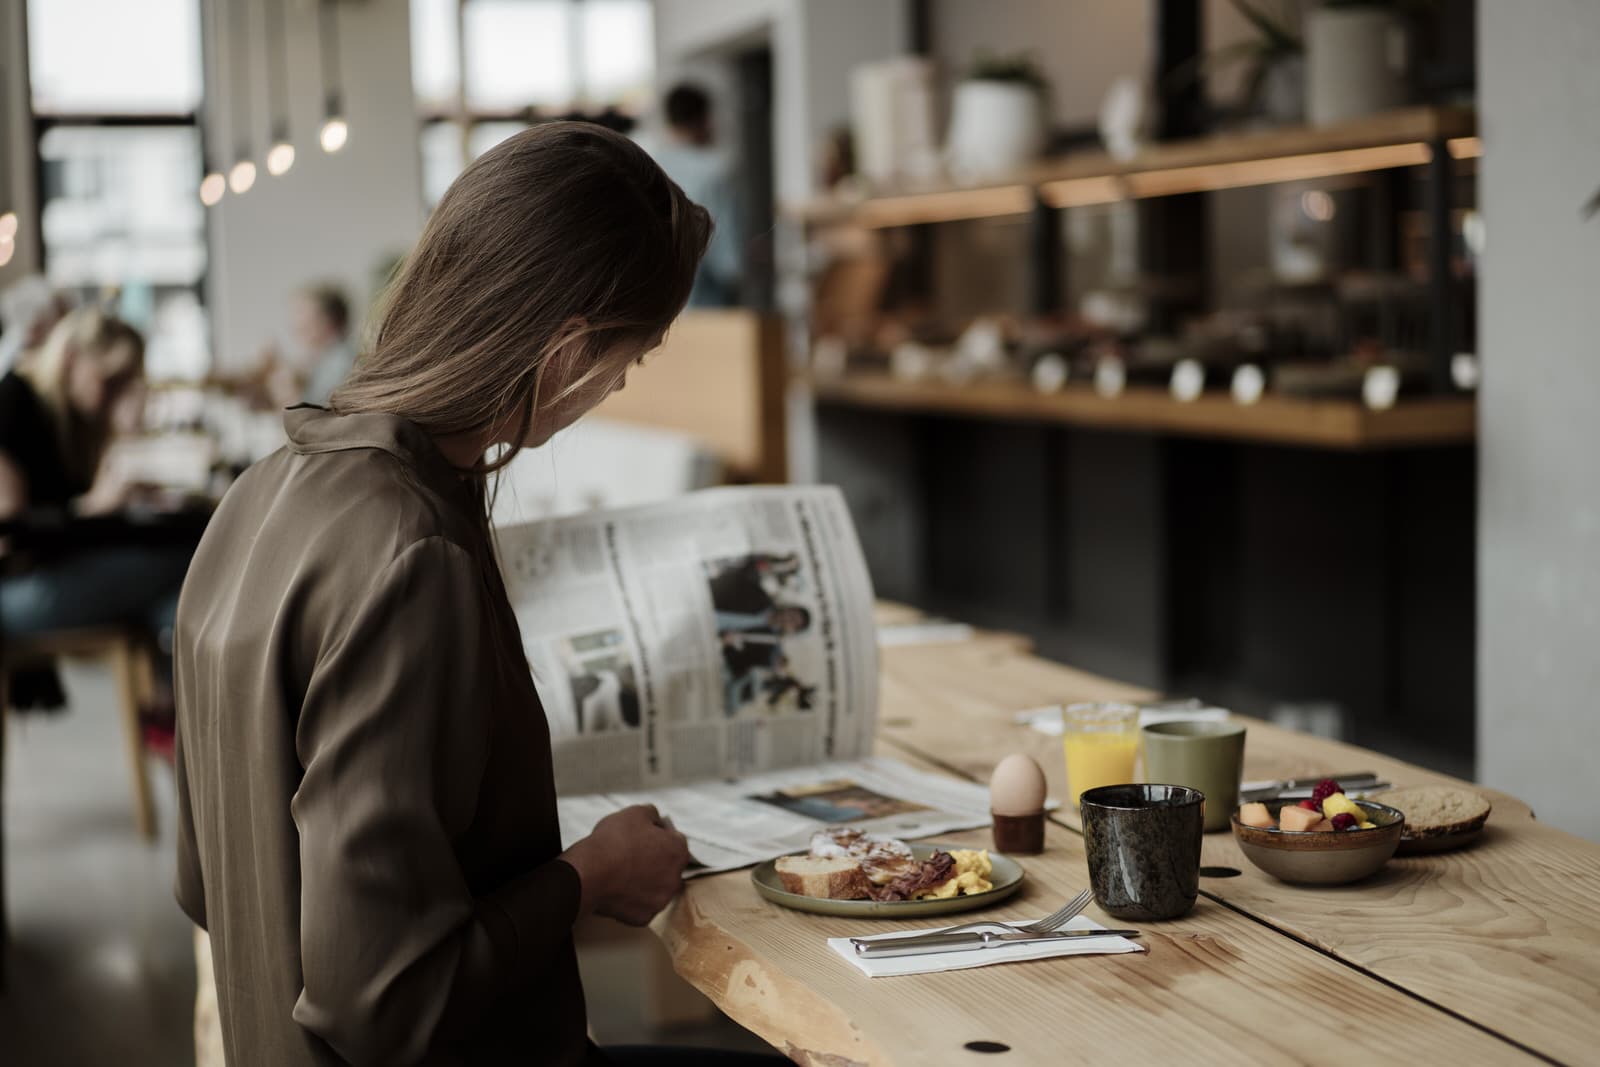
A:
{"x": 1101, "y": 742}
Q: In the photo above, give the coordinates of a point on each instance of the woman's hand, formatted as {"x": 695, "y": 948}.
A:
{"x": 631, "y": 865}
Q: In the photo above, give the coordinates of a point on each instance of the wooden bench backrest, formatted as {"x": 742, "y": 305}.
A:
{"x": 719, "y": 378}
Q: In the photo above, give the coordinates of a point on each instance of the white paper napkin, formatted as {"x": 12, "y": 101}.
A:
{"x": 1047, "y": 720}
{"x": 956, "y": 961}
{"x": 933, "y": 632}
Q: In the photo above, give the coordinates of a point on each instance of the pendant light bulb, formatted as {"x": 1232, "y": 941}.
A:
{"x": 242, "y": 177}
{"x": 334, "y": 134}
{"x": 212, "y": 186}
{"x": 280, "y": 157}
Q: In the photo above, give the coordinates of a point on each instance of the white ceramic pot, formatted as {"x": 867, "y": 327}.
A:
{"x": 995, "y": 128}
{"x": 1355, "y": 63}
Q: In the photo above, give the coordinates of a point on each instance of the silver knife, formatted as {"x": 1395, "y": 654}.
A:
{"x": 927, "y": 944}
{"x": 1291, "y": 788}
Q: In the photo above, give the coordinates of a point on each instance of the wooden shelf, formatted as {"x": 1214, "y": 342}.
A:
{"x": 1331, "y": 424}
{"x": 1379, "y": 142}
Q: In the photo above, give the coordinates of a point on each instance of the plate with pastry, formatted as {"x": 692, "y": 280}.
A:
{"x": 861, "y": 875}
{"x": 1439, "y": 818}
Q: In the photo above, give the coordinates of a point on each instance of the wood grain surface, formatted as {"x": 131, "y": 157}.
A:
{"x": 1506, "y": 933}
{"x": 1214, "y": 987}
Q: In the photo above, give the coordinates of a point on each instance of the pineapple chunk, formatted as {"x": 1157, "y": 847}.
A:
{"x": 1339, "y": 804}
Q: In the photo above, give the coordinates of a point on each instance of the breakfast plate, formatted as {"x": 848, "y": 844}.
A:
{"x": 1006, "y": 878}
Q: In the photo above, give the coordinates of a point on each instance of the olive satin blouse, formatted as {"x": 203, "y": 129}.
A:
{"x": 367, "y": 819}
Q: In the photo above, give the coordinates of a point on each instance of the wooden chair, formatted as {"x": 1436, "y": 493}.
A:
{"x": 129, "y": 658}
{"x": 130, "y": 662}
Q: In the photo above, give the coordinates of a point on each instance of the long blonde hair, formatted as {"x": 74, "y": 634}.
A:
{"x": 87, "y": 333}
{"x": 565, "y": 241}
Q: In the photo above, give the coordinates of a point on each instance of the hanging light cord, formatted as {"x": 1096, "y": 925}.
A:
{"x": 277, "y": 70}
{"x": 211, "y": 82}
{"x": 330, "y": 56}
{"x": 239, "y": 45}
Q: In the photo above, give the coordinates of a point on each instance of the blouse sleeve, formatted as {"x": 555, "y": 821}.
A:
{"x": 396, "y": 952}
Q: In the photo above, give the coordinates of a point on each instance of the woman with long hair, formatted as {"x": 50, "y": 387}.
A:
{"x": 59, "y": 411}
{"x": 367, "y": 821}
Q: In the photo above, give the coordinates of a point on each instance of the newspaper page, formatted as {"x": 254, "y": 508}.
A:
{"x": 735, "y": 823}
{"x": 723, "y": 633}
{"x": 716, "y": 655}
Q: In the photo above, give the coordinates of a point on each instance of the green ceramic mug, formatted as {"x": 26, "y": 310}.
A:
{"x": 1208, "y": 756}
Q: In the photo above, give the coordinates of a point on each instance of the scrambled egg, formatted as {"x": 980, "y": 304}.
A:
{"x": 972, "y": 875}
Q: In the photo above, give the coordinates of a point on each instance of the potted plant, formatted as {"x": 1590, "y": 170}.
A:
{"x": 997, "y": 120}
{"x": 1357, "y": 59}
{"x": 1274, "y": 78}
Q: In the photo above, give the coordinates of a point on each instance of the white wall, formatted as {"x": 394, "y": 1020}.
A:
{"x": 332, "y": 217}
{"x": 1082, "y": 46}
{"x": 1539, "y": 479}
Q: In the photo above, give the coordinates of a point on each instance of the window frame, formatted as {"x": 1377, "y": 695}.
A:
{"x": 41, "y": 123}
{"x": 467, "y": 118}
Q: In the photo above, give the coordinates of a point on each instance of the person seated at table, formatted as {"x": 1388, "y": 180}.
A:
{"x": 322, "y": 332}
{"x": 320, "y": 357}
{"x": 29, "y": 310}
{"x": 58, "y": 415}
{"x": 366, "y": 798}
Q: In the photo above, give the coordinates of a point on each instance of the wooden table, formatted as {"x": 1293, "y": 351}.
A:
{"x": 1489, "y": 955}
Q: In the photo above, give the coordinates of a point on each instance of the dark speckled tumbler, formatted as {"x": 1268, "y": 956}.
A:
{"x": 1143, "y": 843}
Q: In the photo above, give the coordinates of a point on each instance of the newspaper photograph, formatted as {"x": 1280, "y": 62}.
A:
{"x": 724, "y": 633}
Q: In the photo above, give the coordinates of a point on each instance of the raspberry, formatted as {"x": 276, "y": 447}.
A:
{"x": 1343, "y": 821}
{"x": 1325, "y": 789}
{"x": 1311, "y": 805}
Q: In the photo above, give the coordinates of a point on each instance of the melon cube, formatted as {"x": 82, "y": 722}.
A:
{"x": 1258, "y": 816}
{"x": 1324, "y": 826}
{"x": 1294, "y": 817}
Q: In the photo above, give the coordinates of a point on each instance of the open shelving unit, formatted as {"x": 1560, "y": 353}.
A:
{"x": 1339, "y": 424}
{"x": 1420, "y": 136}
{"x": 1404, "y": 138}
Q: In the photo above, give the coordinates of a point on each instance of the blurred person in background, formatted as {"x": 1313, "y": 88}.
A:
{"x": 322, "y": 332}
{"x": 319, "y": 359}
{"x": 58, "y": 415}
{"x": 686, "y": 150}
{"x": 29, "y": 310}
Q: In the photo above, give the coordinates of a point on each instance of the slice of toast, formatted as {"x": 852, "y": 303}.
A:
{"x": 831, "y": 877}
{"x": 1437, "y": 810}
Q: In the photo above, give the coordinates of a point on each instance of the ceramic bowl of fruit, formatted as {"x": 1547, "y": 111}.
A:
{"x": 1330, "y": 839}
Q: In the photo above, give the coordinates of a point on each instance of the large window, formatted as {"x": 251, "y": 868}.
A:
{"x": 115, "y": 87}
{"x": 524, "y": 60}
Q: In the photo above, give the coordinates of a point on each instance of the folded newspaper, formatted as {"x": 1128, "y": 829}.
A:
{"x": 715, "y": 655}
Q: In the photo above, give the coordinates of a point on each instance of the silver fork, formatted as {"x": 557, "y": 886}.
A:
{"x": 1047, "y": 925}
